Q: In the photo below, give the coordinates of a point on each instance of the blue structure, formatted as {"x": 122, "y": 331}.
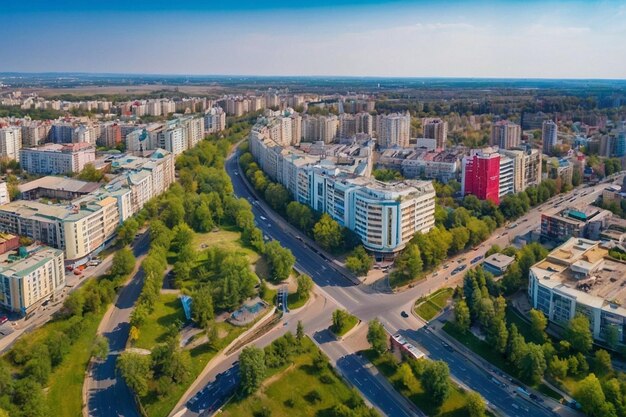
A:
{"x": 186, "y": 302}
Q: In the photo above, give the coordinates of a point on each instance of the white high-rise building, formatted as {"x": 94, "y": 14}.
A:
{"x": 393, "y": 130}
{"x": 549, "y": 131}
{"x": 173, "y": 139}
{"x": 10, "y": 142}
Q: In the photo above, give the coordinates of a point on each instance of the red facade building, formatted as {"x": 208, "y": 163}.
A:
{"x": 481, "y": 176}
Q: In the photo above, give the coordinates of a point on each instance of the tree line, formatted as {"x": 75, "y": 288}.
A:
{"x": 534, "y": 355}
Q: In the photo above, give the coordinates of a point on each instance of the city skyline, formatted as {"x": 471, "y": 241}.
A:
{"x": 565, "y": 39}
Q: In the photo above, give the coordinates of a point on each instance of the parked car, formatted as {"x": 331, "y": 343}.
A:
{"x": 404, "y": 314}
{"x": 3, "y": 319}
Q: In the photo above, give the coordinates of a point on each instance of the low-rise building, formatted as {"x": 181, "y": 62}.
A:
{"x": 497, "y": 263}
{"x": 29, "y": 277}
{"x": 579, "y": 277}
{"x": 585, "y": 222}
{"x": 56, "y": 188}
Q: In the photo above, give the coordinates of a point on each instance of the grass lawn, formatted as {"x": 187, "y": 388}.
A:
{"x": 226, "y": 238}
{"x": 431, "y": 306}
{"x": 482, "y": 349}
{"x": 350, "y": 322}
{"x": 287, "y": 392}
{"x": 167, "y": 311}
{"x": 161, "y": 406}
{"x": 293, "y": 301}
{"x": 453, "y": 406}
{"x": 65, "y": 384}
{"x": 395, "y": 282}
{"x": 546, "y": 390}
{"x": 66, "y": 381}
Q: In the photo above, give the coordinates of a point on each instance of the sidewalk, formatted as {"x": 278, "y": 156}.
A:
{"x": 196, "y": 384}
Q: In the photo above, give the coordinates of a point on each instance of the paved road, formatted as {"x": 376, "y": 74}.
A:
{"x": 107, "y": 393}
{"x": 367, "y": 303}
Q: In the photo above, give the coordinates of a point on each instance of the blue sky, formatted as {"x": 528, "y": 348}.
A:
{"x": 527, "y": 39}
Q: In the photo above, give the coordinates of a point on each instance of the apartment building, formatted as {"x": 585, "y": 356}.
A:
{"x": 10, "y": 142}
{"x": 54, "y": 159}
{"x": 320, "y": 128}
{"x": 481, "y": 175}
{"x": 88, "y": 224}
{"x": 548, "y": 136}
{"x": 393, "y": 130}
{"x": 214, "y": 120}
{"x": 579, "y": 277}
{"x": 526, "y": 166}
{"x": 194, "y": 129}
{"x": 385, "y": 216}
{"x": 505, "y": 134}
{"x": 436, "y": 129}
{"x": 30, "y": 276}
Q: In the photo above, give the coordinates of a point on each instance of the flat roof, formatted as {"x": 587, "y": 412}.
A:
{"x": 10, "y": 265}
{"x": 60, "y": 184}
{"x": 499, "y": 260}
{"x": 582, "y": 269}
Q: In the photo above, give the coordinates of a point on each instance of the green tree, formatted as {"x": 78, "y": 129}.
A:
{"x": 611, "y": 336}
{"x": 475, "y": 405}
{"x": 212, "y": 334}
{"x": 58, "y": 345}
{"x": 462, "y": 316}
{"x": 409, "y": 263}
{"x": 300, "y": 216}
{"x": 460, "y": 237}
{"x": 327, "y": 233}
{"x": 377, "y": 336}
{"x": 591, "y": 397}
{"x": 251, "y": 369}
{"x": 538, "y": 324}
{"x": 299, "y": 332}
{"x": 127, "y": 232}
{"x": 493, "y": 249}
{"x": 100, "y": 348}
{"x": 533, "y": 363}
{"x": 305, "y": 285}
{"x": 202, "y": 306}
{"x": 277, "y": 196}
{"x": 578, "y": 334}
{"x": 90, "y": 173}
{"x": 359, "y": 261}
{"x": 602, "y": 364}
{"x": 558, "y": 367}
{"x": 136, "y": 371}
{"x": 123, "y": 262}
{"x": 280, "y": 261}
{"x": 436, "y": 382}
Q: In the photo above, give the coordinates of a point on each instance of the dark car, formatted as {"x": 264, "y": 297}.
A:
{"x": 462, "y": 267}
{"x": 404, "y": 314}
{"x": 476, "y": 259}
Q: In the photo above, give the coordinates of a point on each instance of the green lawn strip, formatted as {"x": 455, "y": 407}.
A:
{"x": 481, "y": 348}
{"x": 286, "y": 394}
{"x": 167, "y": 311}
{"x": 156, "y": 406}
{"x": 66, "y": 381}
{"x": 395, "y": 282}
{"x": 546, "y": 390}
{"x": 228, "y": 238}
{"x": 293, "y": 301}
{"x": 453, "y": 406}
{"x": 351, "y": 321}
{"x": 429, "y": 307}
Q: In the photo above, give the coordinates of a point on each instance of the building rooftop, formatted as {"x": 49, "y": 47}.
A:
{"x": 61, "y": 184}
{"x": 582, "y": 269}
{"x": 11, "y": 264}
{"x": 499, "y": 260}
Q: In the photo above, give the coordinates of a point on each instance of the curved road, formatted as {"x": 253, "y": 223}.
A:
{"x": 108, "y": 395}
{"x": 367, "y": 303}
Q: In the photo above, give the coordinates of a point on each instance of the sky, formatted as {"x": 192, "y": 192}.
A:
{"x": 509, "y": 39}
